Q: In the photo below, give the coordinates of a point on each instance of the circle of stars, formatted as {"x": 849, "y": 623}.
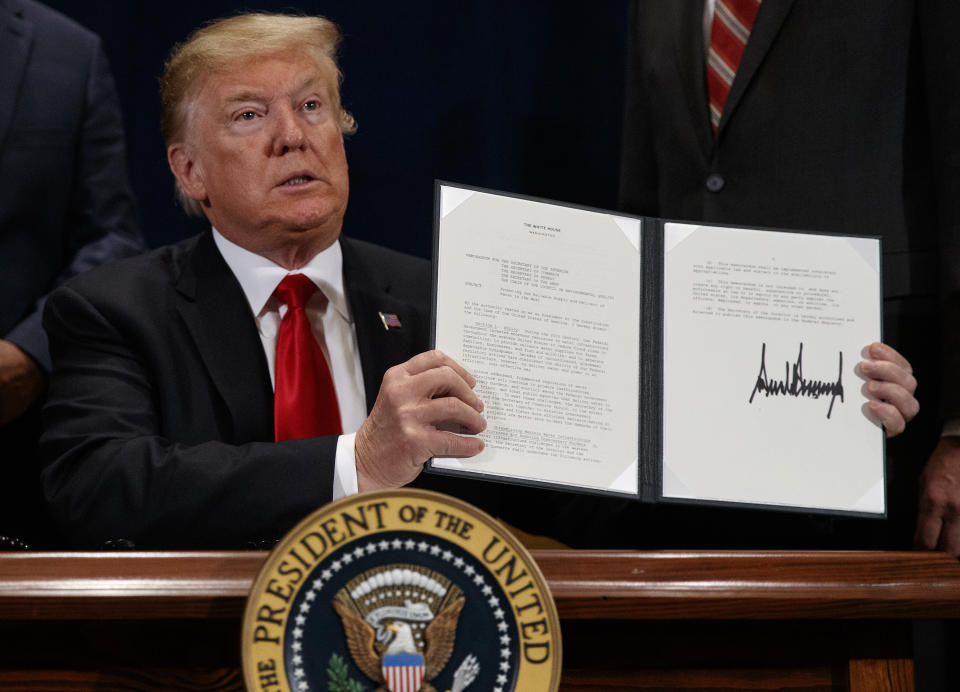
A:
{"x": 371, "y": 547}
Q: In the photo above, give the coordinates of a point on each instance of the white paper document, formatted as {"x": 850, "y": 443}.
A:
{"x": 748, "y": 388}
{"x": 540, "y": 303}
{"x": 762, "y": 403}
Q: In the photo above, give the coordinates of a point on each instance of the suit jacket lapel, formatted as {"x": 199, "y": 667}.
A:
{"x": 765, "y": 29}
{"x": 16, "y": 37}
{"x": 217, "y": 315}
{"x": 692, "y": 63}
{"x": 369, "y": 294}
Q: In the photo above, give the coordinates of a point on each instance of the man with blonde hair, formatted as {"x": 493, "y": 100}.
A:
{"x": 213, "y": 392}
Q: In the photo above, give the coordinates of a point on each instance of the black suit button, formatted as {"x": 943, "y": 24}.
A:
{"x": 715, "y": 182}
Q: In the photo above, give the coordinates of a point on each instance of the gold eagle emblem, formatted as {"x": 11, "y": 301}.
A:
{"x": 403, "y": 616}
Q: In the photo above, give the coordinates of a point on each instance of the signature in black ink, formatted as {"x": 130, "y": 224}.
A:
{"x": 794, "y": 384}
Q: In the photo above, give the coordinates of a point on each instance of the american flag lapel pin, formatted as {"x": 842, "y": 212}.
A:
{"x": 389, "y": 320}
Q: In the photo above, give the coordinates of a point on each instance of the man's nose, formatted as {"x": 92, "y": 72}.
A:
{"x": 289, "y": 135}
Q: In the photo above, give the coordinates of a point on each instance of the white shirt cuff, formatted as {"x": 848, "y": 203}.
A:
{"x": 951, "y": 426}
{"x": 345, "y": 468}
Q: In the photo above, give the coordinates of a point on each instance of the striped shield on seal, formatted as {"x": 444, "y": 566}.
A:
{"x": 403, "y": 672}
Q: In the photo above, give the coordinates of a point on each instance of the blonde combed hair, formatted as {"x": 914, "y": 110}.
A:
{"x": 225, "y": 43}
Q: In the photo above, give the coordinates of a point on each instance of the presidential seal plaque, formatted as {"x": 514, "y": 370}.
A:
{"x": 400, "y": 591}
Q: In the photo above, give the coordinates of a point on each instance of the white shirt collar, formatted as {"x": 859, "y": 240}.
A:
{"x": 708, "y": 9}
{"x": 259, "y": 276}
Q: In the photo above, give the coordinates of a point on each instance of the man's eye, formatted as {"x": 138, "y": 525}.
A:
{"x": 248, "y": 115}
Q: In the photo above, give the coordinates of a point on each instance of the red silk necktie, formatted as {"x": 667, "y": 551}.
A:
{"x": 732, "y": 23}
{"x": 304, "y": 400}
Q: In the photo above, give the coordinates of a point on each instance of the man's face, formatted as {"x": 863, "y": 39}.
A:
{"x": 264, "y": 154}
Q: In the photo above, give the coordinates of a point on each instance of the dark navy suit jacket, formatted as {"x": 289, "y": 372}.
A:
{"x": 843, "y": 117}
{"x": 159, "y": 419}
{"x": 65, "y": 204}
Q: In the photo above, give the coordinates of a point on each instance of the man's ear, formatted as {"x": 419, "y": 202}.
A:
{"x": 182, "y": 159}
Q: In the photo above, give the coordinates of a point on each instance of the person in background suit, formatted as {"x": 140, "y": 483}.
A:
{"x": 65, "y": 206}
{"x": 162, "y": 425}
{"x": 840, "y": 118}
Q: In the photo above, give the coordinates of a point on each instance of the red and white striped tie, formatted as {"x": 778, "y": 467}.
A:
{"x": 732, "y": 22}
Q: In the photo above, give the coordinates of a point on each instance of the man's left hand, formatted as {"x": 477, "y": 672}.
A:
{"x": 21, "y": 382}
{"x": 938, "y": 524}
{"x": 891, "y": 382}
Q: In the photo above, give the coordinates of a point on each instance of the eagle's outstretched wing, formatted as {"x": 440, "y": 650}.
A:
{"x": 360, "y": 636}
{"x": 440, "y": 634}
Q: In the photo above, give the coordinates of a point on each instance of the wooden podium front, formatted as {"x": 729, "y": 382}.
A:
{"x": 631, "y": 620}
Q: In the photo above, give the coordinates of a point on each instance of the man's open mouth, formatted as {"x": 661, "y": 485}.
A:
{"x": 298, "y": 180}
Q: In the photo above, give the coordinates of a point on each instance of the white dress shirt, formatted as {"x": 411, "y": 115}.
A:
{"x": 708, "y": 8}
{"x": 329, "y": 315}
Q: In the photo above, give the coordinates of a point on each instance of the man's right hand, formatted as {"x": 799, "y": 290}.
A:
{"x": 21, "y": 382}
{"x": 401, "y": 433}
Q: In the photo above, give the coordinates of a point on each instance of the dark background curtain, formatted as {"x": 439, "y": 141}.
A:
{"x": 517, "y": 95}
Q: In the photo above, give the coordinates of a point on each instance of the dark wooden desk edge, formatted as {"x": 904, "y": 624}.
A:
{"x": 585, "y": 584}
